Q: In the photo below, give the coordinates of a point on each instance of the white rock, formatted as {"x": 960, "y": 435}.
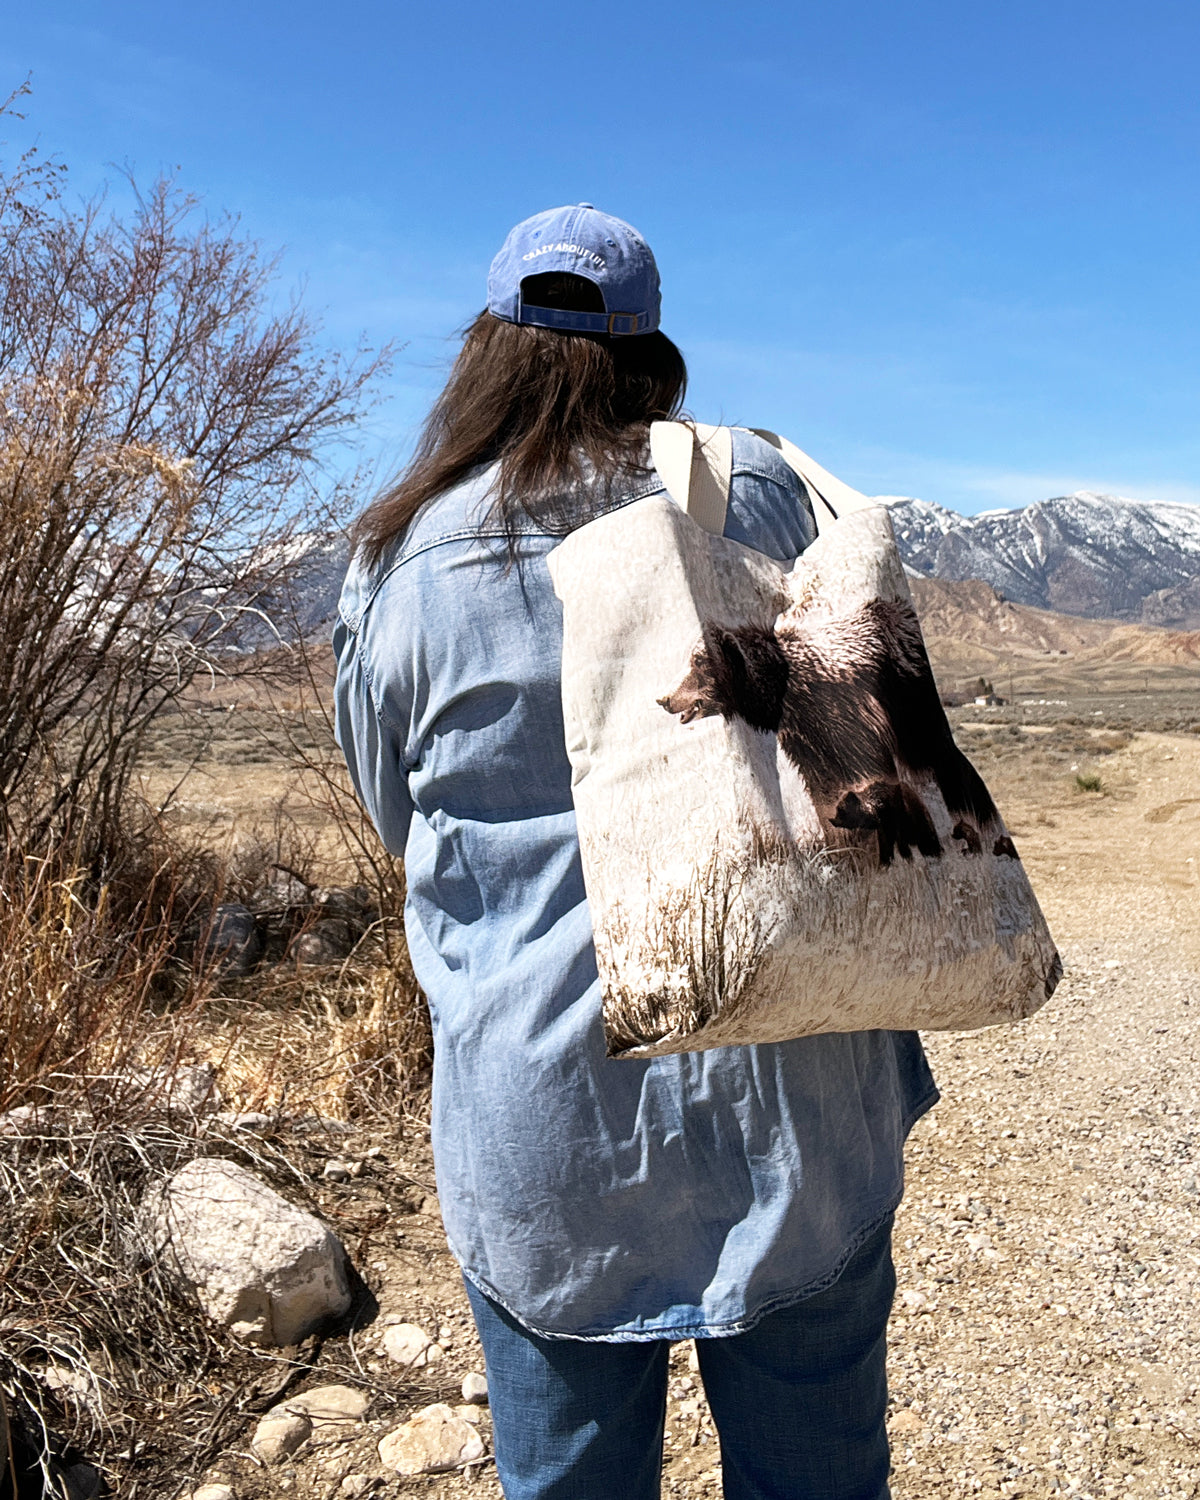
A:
{"x": 333, "y": 1410}
{"x": 278, "y": 1434}
{"x": 250, "y": 1330}
{"x": 410, "y": 1346}
{"x": 186, "y": 1090}
{"x": 472, "y": 1414}
{"x": 474, "y": 1388}
{"x": 213, "y": 1492}
{"x": 254, "y": 1261}
{"x": 434, "y": 1440}
{"x": 355, "y": 1485}
{"x": 330, "y": 1403}
{"x": 29, "y": 1119}
{"x": 79, "y": 1383}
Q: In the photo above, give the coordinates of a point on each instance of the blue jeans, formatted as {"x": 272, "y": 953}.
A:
{"x": 798, "y": 1401}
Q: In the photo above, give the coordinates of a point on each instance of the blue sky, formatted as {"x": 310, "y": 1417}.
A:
{"x": 950, "y": 249}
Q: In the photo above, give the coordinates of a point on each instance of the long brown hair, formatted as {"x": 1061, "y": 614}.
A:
{"x": 564, "y": 413}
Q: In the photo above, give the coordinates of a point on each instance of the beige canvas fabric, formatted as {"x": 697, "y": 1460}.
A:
{"x": 779, "y": 836}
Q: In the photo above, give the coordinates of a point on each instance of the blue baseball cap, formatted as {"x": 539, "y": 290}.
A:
{"x": 585, "y": 242}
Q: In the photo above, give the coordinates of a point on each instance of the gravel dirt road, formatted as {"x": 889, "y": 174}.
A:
{"x": 1046, "y": 1338}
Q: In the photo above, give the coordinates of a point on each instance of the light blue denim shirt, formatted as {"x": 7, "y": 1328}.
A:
{"x": 676, "y": 1197}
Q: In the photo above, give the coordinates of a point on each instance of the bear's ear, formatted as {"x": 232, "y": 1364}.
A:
{"x": 722, "y": 661}
{"x": 731, "y": 652}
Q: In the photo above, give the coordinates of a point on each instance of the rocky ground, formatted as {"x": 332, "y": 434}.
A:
{"x": 1046, "y": 1338}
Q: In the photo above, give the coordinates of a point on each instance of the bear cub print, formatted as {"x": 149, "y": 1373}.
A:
{"x": 856, "y": 711}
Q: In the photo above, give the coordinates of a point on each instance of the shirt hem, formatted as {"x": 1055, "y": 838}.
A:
{"x": 676, "y": 1332}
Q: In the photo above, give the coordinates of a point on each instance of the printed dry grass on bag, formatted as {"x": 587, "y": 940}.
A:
{"x": 696, "y": 953}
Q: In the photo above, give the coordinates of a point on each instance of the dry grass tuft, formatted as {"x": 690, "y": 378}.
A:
{"x": 83, "y": 986}
{"x": 350, "y": 1043}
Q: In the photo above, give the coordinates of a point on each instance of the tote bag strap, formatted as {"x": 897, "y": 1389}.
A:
{"x": 696, "y": 465}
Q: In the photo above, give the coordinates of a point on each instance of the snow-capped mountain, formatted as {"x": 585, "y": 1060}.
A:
{"x": 308, "y": 569}
{"x": 1081, "y": 554}
{"x": 316, "y": 568}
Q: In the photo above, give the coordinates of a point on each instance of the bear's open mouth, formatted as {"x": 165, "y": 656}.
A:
{"x": 690, "y": 708}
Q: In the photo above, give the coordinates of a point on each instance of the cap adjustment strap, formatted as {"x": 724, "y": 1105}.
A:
{"x": 584, "y": 322}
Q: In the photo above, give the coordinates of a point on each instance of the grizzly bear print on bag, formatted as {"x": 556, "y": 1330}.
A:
{"x": 856, "y": 711}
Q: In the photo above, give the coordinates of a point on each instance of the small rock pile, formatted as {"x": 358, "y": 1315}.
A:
{"x": 327, "y": 1414}
{"x": 287, "y": 922}
{"x": 272, "y": 1274}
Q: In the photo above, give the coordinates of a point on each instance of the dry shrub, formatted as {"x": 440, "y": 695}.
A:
{"x": 351, "y": 1043}
{"x": 81, "y": 991}
{"x": 164, "y": 428}
{"x": 163, "y": 422}
{"x": 351, "y": 1040}
{"x": 99, "y": 979}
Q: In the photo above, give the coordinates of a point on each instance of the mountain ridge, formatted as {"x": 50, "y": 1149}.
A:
{"x": 1086, "y": 554}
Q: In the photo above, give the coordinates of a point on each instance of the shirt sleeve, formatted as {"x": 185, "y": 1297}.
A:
{"x": 373, "y": 746}
{"x": 769, "y": 506}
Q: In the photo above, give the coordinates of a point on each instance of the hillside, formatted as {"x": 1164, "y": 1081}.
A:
{"x": 971, "y": 630}
{"x": 972, "y": 612}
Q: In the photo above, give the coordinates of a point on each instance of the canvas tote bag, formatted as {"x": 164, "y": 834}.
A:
{"x": 779, "y": 835}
